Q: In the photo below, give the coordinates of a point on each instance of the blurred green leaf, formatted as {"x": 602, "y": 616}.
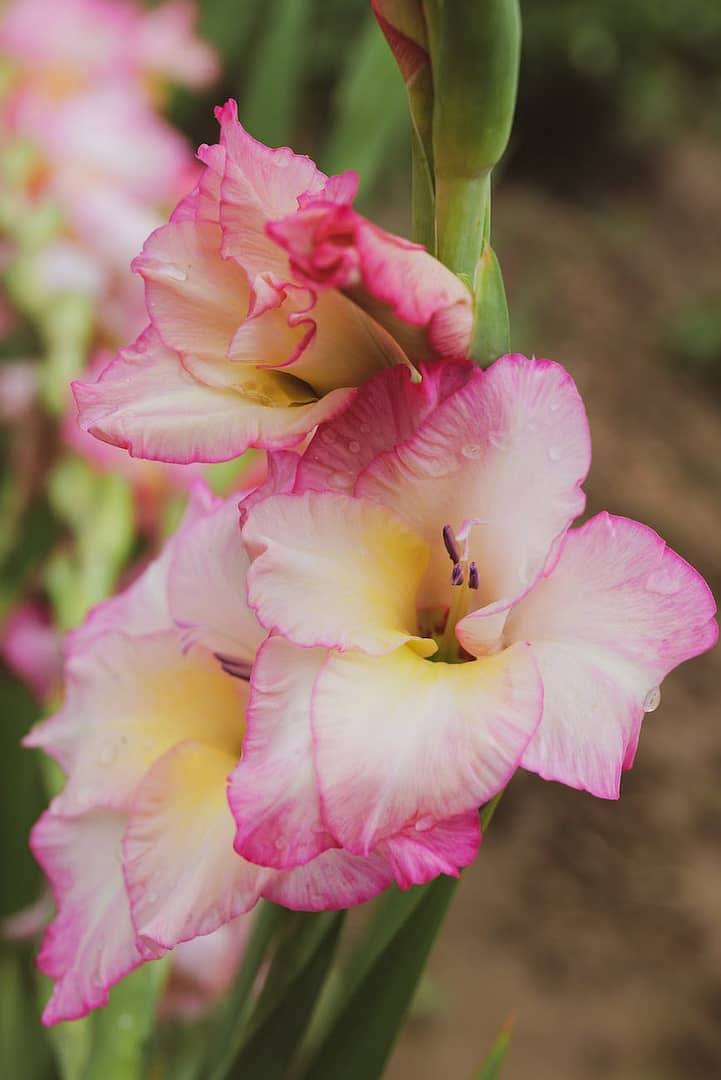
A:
{"x": 284, "y": 1009}
{"x": 228, "y": 26}
{"x": 24, "y": 1050}
{"x": 121, "y": 1031}
{"x": 491, "y": 1067}
{"x": 276, "y": 71}
{"x": 371, "y": 113}
{"x": 382, "y": 976}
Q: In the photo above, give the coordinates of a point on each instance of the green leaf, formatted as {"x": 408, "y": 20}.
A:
{"x": 371, "y": 114}
{"x": 382, "y": 976}
{"x": 491, "y": 1068}
{"x": 288, "y": 998}
{"x": 228, "y": 26}
{"x": 121, "y": 1031}
{"x": 24, "y": 1049}
{"x": 276, "y": 74}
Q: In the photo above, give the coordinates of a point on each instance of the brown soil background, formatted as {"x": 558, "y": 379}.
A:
{"x": 598, "y": 924}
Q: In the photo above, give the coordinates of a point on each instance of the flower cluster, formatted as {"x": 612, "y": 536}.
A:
{"x": 311, "y": 691}
{"x": 84, "y": 140}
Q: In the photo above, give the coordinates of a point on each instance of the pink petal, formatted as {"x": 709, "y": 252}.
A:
{"x": 195, "y": 298}
{"x": 398, "y": 283}
{"x": 388, "y": 410}
{"x": 90, "y": 944}
{"x": 509, "y": 451}
{"x": 402, "y": 741}
{"x": 418, "y": 855}
{"x": 331, "y": 882}
{"x": 128, "y": 700}
{"x": 616, "y": 613}
{"x": 30, "y": 646}
{"x": 329, "y": 570}
{"x": 147, "y": 402}
{"x": 207, "y": 585}
{"x": 183, "y": 877}
{"x": 273, "y": 792}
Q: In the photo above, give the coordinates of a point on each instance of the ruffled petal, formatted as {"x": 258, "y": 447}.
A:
{"x": 207, "y": 586}
{"x": 333, "y": 571}
{"x": 418, "y": 855}
{"x": 388, "y": 410}
{"x": 402, "y": 742}
{"x": 617, "y": 612}
{"x": 331, "y": 882}
{"x": 183, "y": 877}
{"x": 507, "y": 453}
{"x": 273, "y": 792}
{"x": 147, "y": 402}
{"x": 128, "y": 700}
{"x": 90, "y": 944}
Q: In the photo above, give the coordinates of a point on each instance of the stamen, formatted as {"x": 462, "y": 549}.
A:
{"x": 472, "y": 576}
{"x": 451, "y": 546}
{"x": 231, "y": 665}
{"x": 457, "y": 574}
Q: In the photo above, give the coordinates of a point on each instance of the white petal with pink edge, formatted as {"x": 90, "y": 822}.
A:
{"x": 90, "y": 944}
{"x": 147, "y": 402}
{"x": 273, "y": 791}
{"x": 183, "y": 877}
{"x": 421, "y": 852}
{"x": 508, "y": 451}
{"x": 332, "y": 881}
{"x": 617, "y": 612}
{"x": 128, "y": 700}
{"x": 206, "y": 586}
{"x": 329, "y": 570}
{"x": 402, "y": 741}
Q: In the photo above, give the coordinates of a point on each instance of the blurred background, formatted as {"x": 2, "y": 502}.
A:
{"x": 596, "y": 924}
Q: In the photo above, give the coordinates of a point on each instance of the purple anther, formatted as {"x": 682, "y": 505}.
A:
{"x": 457, "y": 574}
{"x": 450, "y": 544}
{"x": 231, "y": 665}
{"x": 472, "y": 576}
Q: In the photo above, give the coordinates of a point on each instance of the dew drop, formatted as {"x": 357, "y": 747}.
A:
{"x": 436, "y": 468}
{"x": 555, "y": 406}
{"x": 340, "y": 481}
{"x": 660, "y": 581}
{"x": 328, "y": 436}
{"x": 471, "y": 450}
{"x": 652, "y": 700}
{"x": 496, "y": 440}
{"x": 280, "y": 844}
{"x": 365, "y": 428}
{"x": 554, "y": 454}
{"x": 425, "y": 823}
{"x": 354, "y": 447}
{"x": 151, "y": 897}
{"x": 107, "y": 754}
{"x": 172, "y": 273}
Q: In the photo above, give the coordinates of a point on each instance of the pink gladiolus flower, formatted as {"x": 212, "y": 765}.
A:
{"x": 138, "y": 847}
{"x": 431, "y": 523}
{"x": 248, "y": 347}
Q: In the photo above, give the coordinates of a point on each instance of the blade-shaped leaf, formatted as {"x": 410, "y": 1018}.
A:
{"x": 274, "y": 82}
{"x": 491, "y": 1067}
{"x": 382, "y": 977}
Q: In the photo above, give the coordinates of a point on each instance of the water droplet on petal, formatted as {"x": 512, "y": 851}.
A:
{"x": 107, "y": 754}
{"x": 171, "y": 273}
{"x": 661, "y": 581}
{"x": 554, "y": 454}
{"x": 151, "y": 897}
{"x": 328, "y": 436}
{"x": 496, "y": 440}
{"x": 425, "y": 823}
{"x": 471, "y": 450}
{"x": 365, "y": 428}
{"x": 280, "y": 844}
{"x": 652, "y": 700}
{"x": 354, "y": 447}
{"x": 340, "y": 481}
{"x": 555, "y": 406}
